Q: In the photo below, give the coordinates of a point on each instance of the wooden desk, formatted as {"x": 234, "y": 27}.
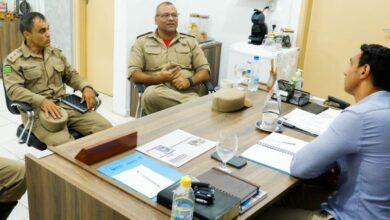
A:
{"x": 60, "y": 188}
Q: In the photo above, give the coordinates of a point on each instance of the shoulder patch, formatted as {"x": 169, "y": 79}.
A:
{"x": 188, "y": 35}
{"x": 7, "y": 68}
{"x": 141, "y": 35}
{"x": 14, "y": 55}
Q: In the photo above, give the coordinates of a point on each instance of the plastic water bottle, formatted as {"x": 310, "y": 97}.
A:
{"x": 255, "y": 73}
{"x": 183, "y": 200}
{"x": 298, "y": 80}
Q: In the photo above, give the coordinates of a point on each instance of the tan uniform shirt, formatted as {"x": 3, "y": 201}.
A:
{"x": 31, "y": 78}
{"x": 149, "y": 54}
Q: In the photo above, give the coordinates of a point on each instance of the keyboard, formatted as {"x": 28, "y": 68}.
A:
{"x": 74, "y": 102}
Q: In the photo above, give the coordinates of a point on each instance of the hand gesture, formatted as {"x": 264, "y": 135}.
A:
{"x": 181, "y": 83}
{"x": 51, "y": 109}
{"x": 170, "y": 72}
{"x": 89, "y": 97}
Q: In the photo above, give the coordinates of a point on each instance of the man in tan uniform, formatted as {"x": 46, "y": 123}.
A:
{"x": 171, "y": 64}
{"x": 12, "y": 185}
{"x": 36, "y": 73}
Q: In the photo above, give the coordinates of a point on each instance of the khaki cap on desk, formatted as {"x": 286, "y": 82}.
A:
{"x": 229, "y": 100}
{"x": 51, "y": 124}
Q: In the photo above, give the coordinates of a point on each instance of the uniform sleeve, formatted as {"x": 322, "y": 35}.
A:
{"x": 199, "y": 60}
{"x": 137, "y": 58}
{"x": 14, "y": 84}
{"x": 341, "y": 138}
{"x": 71, "y": 77}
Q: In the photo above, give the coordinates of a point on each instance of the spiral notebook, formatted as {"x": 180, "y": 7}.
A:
{"x": 275, "y": 151}
{"x": 225, "y": 206}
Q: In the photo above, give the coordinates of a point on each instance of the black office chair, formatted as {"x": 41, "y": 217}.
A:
{"x": 23, "y": 132}
{"x": 208, "y": 87}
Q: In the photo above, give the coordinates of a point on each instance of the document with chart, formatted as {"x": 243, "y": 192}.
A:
{"x": 177, "y": 148}
{"x": 275, "y": 151}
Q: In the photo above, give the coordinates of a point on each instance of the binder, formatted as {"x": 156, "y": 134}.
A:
{"x": 227, "y": 182}
{"x": 249, "y": 193}
{"x": 225, "y": 206}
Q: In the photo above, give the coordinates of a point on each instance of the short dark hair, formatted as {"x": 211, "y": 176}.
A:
{"x": 378, "y": 58}
{"x": 26, "y": 22}
{"x": 162, "y": 3}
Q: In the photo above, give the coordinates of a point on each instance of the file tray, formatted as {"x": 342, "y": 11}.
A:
{"x": 299, "y": 98}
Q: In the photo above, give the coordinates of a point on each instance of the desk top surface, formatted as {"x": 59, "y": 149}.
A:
{"x": 195, "y": 117}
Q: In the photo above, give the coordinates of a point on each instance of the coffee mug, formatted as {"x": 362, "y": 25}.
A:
{"x": 226, "y": 83}
{"x": 269, "y": 121}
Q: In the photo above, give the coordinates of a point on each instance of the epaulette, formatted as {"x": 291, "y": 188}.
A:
{"x": 188, "y": 35}
{"x": 144, "y": 34}
{"x": 15, "y": 55}
{"x": 56, "y": 48}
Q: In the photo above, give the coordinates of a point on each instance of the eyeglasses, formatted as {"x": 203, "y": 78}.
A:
{"x": 167, "y": 15}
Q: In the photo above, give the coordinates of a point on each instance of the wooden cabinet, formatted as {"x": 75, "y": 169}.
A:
{"x": 10, "y": 37}
{"x": 212, "y": 51}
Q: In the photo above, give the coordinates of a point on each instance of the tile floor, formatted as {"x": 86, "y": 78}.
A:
{"x": 10, "y": 148}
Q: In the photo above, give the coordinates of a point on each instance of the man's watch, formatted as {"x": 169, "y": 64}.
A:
{"x": 190, "y": 81}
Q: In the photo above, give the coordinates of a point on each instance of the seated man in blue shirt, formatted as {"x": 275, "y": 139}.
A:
{"x": 358, "y": 141}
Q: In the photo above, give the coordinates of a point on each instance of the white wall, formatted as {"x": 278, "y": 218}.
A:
{"x": 230, "y": 22}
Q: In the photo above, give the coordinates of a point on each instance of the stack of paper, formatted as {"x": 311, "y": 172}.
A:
{"x": 312, "y": 123}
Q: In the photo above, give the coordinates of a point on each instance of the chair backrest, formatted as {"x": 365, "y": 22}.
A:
{"x": 13, "y": 109}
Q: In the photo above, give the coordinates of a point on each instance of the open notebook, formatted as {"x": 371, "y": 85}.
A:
{"x": 275, "y": 151}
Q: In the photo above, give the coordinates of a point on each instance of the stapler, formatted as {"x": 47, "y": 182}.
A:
{"x": 336, "y": 102}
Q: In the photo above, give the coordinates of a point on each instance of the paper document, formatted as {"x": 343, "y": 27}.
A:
{"x": 177, "y": 147}
{"x": 275, "y": 151}
{"x": 312, "y": 123}
{"x": 141, "y": 174}
{"x": 144, "y": 180}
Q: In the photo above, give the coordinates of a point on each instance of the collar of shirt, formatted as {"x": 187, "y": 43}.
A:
{"x": 27, "y": 52}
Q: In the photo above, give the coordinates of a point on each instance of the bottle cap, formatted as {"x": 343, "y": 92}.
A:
{"x": 185, "y": 181}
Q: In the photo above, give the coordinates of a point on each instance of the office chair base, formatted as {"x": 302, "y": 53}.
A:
{"x": 35, "y": 142}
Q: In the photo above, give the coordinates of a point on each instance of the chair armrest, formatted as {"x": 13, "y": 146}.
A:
{"x": 209, "y": 86}
{"x": 22, "y": 105}
{"x": 139, "y": 87}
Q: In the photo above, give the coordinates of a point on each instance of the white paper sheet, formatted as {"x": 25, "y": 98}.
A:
{"x": 312, "y": 123}
{"x": 177, "y": 147}
{"x": 144, "y": 180}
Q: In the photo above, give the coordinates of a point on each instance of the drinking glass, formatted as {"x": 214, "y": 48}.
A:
{"x": 226, "y": 148}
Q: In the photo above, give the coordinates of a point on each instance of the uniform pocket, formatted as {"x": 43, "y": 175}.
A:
{"x": 59, "y": 67}
{"x": 153, "y": 57}
{"x": 31, "y": 73}
{"x": 183, "y": 56}
{"x": 153, "y": 50}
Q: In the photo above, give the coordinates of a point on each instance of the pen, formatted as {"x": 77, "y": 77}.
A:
{"x": 148, "y": 179}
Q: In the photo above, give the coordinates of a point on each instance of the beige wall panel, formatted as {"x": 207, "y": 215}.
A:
{"x": 100, "y": 44}
{"x": 336, "y": 31}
